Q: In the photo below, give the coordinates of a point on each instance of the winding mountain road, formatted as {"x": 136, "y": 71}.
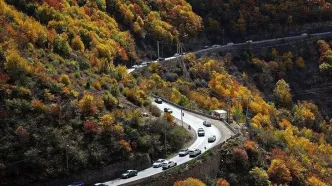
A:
{"x": 201, "y": 142}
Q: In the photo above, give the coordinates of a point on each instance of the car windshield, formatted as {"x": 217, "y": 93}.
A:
{"x": 184, "y": 150}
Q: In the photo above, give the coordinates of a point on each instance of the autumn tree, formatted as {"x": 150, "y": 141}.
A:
{"x": 260, "y": 176}
{"x": 189, "y": 182}
{"x": 222, "y": 182}
{"x": 282, "y": 94}
{"x": 278, "y": 172}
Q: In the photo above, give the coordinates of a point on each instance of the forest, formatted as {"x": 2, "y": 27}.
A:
{"x": 64, "y": 88}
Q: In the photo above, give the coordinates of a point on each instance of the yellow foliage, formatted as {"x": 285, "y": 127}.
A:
{"x": 278, "y": 172}
{"x": 314, "y": 181}
{"x": 189, "y": 182}
{"x": 65, "y": 79}
{"x": 261, "y": 121}
{"x": 77, "y": 43}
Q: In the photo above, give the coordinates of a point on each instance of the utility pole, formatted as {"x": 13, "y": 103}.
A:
{"x": 165, "y": 145}
{"x": 182, "y": 114}
{"x": 228, "y": 109}
{"x": 247, "y": 110}
{"x": 67, "y": 159}
{"x": 158, "y": 48}
{"x": 223, "y": 36}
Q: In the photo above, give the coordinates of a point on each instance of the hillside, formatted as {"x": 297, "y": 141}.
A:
{"x": 286, "y": 142}
{"x": 65, "y": 94}
{"x": 61, "y": 94}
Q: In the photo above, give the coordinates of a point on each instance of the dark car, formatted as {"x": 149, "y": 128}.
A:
{"x": 161, "y": 59}
{"x": 207, "y": 123}
{"x": 77, "y": 184}
{"x": 201, "y": 132}
{"x": 129, "y": 174}
{"x": 158, "y": 100}
{"x": 169, "y": 110}
{"x": 212, "y": 139}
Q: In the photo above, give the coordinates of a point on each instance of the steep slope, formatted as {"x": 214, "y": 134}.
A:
{"x": 62, "y": 96}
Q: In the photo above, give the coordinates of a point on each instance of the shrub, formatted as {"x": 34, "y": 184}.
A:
{"x": 278, "y": 172}
{"x": 155, "y": 111}
{"x": 16, "y": 65}
{"x": 97, "y": 85}
{"x": 300, "y": 62}
{"x": 88, "y": 105}
{"x": 61, "y": 46}
{"x": 65, "y": 79}
{"x": 77, "y": 43}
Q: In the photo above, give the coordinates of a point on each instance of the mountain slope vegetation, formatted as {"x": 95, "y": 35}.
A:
{"x": 61, "y": 93}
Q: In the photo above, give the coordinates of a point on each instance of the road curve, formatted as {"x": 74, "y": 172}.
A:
{"x": 201, "y": 142}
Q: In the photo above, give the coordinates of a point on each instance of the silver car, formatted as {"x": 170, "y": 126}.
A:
{"x": 184, "y": 152}
{"x": 194, "y": 153}
{"x": 168, "y": 164}
{"x": 207, "y": 123}
{"x": 158, "y": 163}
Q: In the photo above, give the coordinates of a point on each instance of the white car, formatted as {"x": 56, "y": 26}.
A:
{"x": 230, "y": 44}
{"x": 304, "y": 35}
{"x": 168, "y": 164}
{"x": 215, "y": 46}
{"x": 176, "y": 55}
{"x": 158, "y": 163}
{"x": 249, "y": 41}
{"x": 194, "y": 153}
{"x": 135, "y": 66}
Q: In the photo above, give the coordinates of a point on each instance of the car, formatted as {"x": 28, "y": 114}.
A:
{"x": 161, "y": 59}
{"x": 144, "y": 63}
{"x": 176, "y": 55}
{"x": 184, "y": 53}
{"x": 194, "y": 152}
{"x": 77, "y": 184}
{"x": 249, "y": 41}
{"x": 183, "y": 152}
{"x": 205, "y": 47}
{"x": 168, "y": 164}
{"x": 169, "y": 110}
{"x": 304, "y": 35}
{"x": 148, "y": 62}
{"x": 129, "y": 173}
{"x": 212, "y": 139}
{"x": 158, "y": 163}
{"x": 201, "y": 132}
{"x": 215, "y": 46}
{"x": 158, "y": 100}
{"x": 100, "y": 184}
{"x": 230, "y": 44}
{"x": 207, "y": 123}
{"x": 135, "y": 66}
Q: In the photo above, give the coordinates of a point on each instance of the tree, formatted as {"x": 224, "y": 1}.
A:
{"x": 87, "y": 104}
{"x": 300, "y": 62}
{"x": 189, "y": 182}
{"x": 282, "y": 94}
{"x": 278, "y": 172}
{"x": 77, "y": 43}
{"x": 222, "y": 182}
{"x": 65, "y": 79}
{"x": 260, "y": 176}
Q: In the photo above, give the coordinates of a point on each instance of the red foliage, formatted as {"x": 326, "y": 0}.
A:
{"x": 91, "y": 127}
{"x": 57, "y": 4}
{"x": 240, "y": 154}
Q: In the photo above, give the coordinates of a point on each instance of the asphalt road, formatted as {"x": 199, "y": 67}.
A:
{"x": 201, "y": 142}
{"x": 253, "y": 43}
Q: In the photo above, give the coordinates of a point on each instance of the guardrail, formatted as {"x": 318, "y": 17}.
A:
{"x": 196, "y": 112}
{"x": 178, "y": 169}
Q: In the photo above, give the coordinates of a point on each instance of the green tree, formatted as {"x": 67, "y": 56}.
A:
{"x": 282, "y": 94}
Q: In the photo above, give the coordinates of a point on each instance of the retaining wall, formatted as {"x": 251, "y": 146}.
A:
{"x": 104, "y": 174}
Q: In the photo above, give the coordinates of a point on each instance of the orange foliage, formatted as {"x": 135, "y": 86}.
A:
{"x": 222, "y": 182}
{"x": 189, "y": 182}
